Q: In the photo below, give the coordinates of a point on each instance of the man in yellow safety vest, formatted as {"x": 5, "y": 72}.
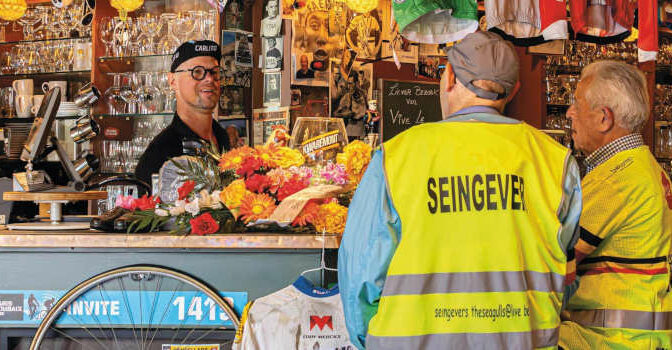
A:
{"x": 461, "y": 233}
{"x": 623, "y": 254}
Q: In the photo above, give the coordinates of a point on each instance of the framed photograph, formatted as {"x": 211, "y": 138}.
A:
{"x": 243, "y": 53}
{"x": 393, "y": 43}
{"x": 314, "y": 42}
{"x": 234, "y": 14}
{"x": 428, "y": 66}
{"x": 272, "y": 86}
{"x": 364, "y": 33}
{"x": 272, "y": 49}
{"x": 266, "y": 120}
{"x": 272, "y": 21}
{"x": 349, "y": 94}
{"x": 231, "y": 101}
{"x": 237, "y": 129}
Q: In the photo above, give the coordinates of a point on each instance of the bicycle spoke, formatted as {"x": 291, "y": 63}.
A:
{"x": 185, "y": 317}
{"x": 128, "y": 308}
{"x": 67, "y": 336}
{"x": 89, "y": 332}
{"x": 165, "y": 312}
{"x": 109, "y": 320}
{"x": 193, "y": 329}
{"x": 153, "y": 308}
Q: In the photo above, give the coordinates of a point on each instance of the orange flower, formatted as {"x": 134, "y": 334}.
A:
{"x": 331, "y": 218}
{"x": 267, "y": 155}
{"x": 232, "y": 159}
{"x": 256, "y": 206}
{"x": 308, "y": 214}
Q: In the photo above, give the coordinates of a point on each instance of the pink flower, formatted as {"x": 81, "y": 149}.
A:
{"x": 334, "y": 173}
{"x": 126, "y": 202}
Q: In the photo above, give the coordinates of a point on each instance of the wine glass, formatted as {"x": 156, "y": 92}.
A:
{"x": 148, "y": 94}
{"x": 169, "y": 42}
{"x": 28, "y": 21}
{"x": 150, "y": 27}
{"x": 129, "y": 91}
{"x": 115, "y": 103}
{"x": 106, "y": 27}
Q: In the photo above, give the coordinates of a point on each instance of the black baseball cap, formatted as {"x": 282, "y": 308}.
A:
{"x": 193, "y": 48}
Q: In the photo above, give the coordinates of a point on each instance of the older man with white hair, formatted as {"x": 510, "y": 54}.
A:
{"x": 624, "y": 300}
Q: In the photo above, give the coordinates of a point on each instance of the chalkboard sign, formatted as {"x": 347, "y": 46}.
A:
{"x": 407, "y": 103}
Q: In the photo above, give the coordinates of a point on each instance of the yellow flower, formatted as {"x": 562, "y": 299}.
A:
{"x": 331, "y": 218}
{"x": 233, "y": 194}
{"x": 232, "y": 159}
{"x": 256, "y": 206}
{"x": 355, "y": 157}
{"x": 286, "y": 157}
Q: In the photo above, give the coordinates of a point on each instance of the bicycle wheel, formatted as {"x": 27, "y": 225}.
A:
{"x": 137, "y": 307}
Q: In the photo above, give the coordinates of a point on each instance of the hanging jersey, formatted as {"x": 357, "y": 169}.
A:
{"x": 435, "y": 21}
{"x": 527, "y": 22}
{"x": 608, "y": 21}
{"x": 300, "y": 316}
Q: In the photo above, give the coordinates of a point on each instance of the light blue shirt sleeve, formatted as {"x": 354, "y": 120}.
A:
{"x": 569, "y": 215}
{"x": 372, "y": 233}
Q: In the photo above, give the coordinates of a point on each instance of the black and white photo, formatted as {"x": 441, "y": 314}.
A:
{"x": 272, "y": 21}
{"x": 272, "y": 89}
{"x": 349, "y": 95}
{"x": 243, "y": 49}
{"x": 272, "y": 48}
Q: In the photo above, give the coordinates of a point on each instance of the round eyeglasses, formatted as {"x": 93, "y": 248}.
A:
{"x": 199, "y": 72}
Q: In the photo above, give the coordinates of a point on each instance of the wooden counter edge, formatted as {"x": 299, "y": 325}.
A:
{"x": 84, "y": 239}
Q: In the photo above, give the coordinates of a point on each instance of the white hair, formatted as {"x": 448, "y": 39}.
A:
{"x": 620, "y": 87}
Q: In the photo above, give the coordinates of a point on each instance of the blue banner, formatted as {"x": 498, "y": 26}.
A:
{"x": 164, "y": 308}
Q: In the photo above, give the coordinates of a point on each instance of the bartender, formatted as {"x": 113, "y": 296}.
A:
{"x": 195, "y": 78}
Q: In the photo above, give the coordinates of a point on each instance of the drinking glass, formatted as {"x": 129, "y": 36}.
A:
{"x": 107, "y": 26}
{"x": 129, "y": 91}
{"x": 148, "y": 94}
{"x": 116, "y": 104}
{"x": 169, "y": 42}
{"x": 28, "y": 21}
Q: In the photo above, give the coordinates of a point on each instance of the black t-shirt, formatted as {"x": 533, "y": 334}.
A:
{"x": 170, "y": 143}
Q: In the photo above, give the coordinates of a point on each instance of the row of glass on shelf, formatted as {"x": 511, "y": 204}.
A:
{"x": 150, "y": 35}
{"x": 139, "y": 92}
{"x": 49, "y": 22}
{"x": 46, "y": 57}
{"x": 123, "y": 156}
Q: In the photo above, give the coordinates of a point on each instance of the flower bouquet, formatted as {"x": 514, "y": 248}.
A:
{"x": 251, "y": 184}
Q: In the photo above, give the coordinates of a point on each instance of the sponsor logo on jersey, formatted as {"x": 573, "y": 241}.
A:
{"x": 320, "y": 322}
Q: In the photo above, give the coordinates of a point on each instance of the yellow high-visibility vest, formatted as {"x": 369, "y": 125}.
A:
{"x": 624, "y": 299}
{"x": 479, "y": 264}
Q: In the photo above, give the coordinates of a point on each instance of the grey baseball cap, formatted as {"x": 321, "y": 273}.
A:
{"x": 485, "y": 56}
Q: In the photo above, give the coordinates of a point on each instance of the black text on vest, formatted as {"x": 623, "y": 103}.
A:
{"x": 475, "y": 193}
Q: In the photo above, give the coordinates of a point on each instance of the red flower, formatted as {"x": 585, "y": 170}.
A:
{"x": 257, "y": 183}
{"x": 290, "y": 187}
{"x": 185, "y": 189}
{"x": 249, "y": 166}
{"x": 308, "y": 214}
{"x": 204, "y": 224}
{"x": 146, "y": 203}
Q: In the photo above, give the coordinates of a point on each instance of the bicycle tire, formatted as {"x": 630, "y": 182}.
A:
{"x": 87, "y": 285}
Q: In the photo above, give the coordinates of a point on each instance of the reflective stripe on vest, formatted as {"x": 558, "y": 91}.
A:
{"x": 653, "y": 321}
{"x": 473, "y": 282}
{"x": 541, "y": 338}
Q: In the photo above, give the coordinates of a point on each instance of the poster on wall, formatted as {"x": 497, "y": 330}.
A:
{"x": 234, "y": 15}
{"x": 243, "y": 52}
{"x": 234, "y": 75}
{"x": 313, "y": 45}
{"x": 364, "y": 33}
{"x": 272, "y": 49}
{"x": 349, "y": 94}
{"x": 272, "y": 21}
{"x": 231, "y": 102}
{"x": 237, "y": 130}
{"x": 272, "y": 89}
{"x": 266, "y": 121}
